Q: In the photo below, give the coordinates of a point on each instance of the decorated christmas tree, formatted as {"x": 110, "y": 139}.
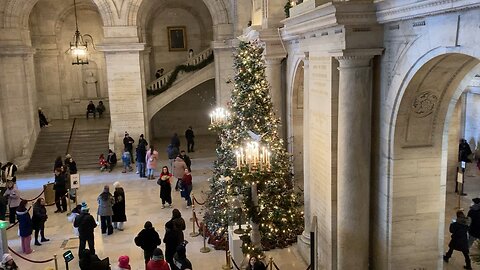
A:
{"x": 265, "y": 188}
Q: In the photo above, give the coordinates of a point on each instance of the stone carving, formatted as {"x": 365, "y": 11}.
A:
{"x": 424, "y": 104}
{"x": 91, "y": 85}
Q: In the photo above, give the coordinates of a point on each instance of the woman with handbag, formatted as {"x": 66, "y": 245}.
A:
{"x": 165, "y": 187}
{"x": 39, "y": 218}
{"x": 105, "y": 210}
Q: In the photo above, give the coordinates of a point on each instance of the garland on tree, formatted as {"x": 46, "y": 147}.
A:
{"x": 278, "y": 213}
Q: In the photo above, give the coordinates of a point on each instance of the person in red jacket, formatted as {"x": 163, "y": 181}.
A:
{"x": 158, "y": 261}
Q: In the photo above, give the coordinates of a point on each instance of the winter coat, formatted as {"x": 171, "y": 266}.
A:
{"x": 148, "y": 239}
{"x": 474, "y": 215}
{"x": 179, "y": 227}
{"x": 165, "y": 186}
{"x": 141, "y": 153}
{"x": 39, "y": 216}
{"x": 175, "y": 141}
{"x": 459, "y": 230}
{"x": 189, "y": 135}
{"x": 60, "y": 183}
{"x": 181, "y": 262}
{"x": 13, "y": 196}
{"x": 85, "y": 224}
{"x": 112, "y": 158}
{"x": 126, "y": 158}
{"x": 128, "y": 143}
{"x": 105, "y": 204}
{"x": 187, "y": 180}
{"x": 172, "y": 151}
{"x": 24, "y": 223}
{"x": 93, "y": 262}
{"x": 151, "y": 159}
{"x": 119, "y": 206}
{"x": 172, "y": 239}
{"x": 179, "y": 167}
{"x": 188, "y": 161}
{"x": 158, "y": 265}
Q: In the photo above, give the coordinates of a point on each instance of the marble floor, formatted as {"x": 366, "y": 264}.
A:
{"x": 143, "y": 203}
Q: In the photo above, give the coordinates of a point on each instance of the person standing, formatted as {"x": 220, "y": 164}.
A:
{"x": 148, "y": 239}
{"x": 58, "y": 163}
{"x": 178, "y": 224}
{"x": 474, "y": 215}
{"x": 172, "y": 152}
{"x": 464, "y": 151}
{"x": 39, "y": 218}
{"x": 175, "y": 141}
{"x": 13, "y": 198}
{"x": 142, "y": 140}
{"x": 459, "y": 229}
{"x": 71, "y": 164}
{"x": 187, "y": 160}
{"x": 42, "y": 118}
{"x": 60, "y": 190}
{"x": 190, "y": 139}
{"x": 105, "y": 210}
{"x": 151, "y": 158}
{"x": 187, "y": 187}
{"x": 85, "y": 224}
{"x": 128, "y": 143}
{"x": 179, "y": 168}
{"x": 158, "y": 261}
{"x": 165, "y": 187}
{"x": 141, "y": 152}
{"x": 119, "y": 216}
{"x": 126, "y": 159}
{"x": 24, "y": 226}
{"x": 111, "y": 160}
{"x": 172, "y": 240}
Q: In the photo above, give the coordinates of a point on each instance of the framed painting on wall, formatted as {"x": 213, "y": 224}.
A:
{"x": 177, "y": 38}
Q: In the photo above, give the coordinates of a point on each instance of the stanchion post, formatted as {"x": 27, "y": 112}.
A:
{"x": 205, "y": 249}
{"x": 271, "y": 263}
{"x": 69, "y": 204}
{"x": 193, "y": 233}
{"x": 55, "y": 260}
{"x": 227, "y": 265}
{"x": 193, "y": 207}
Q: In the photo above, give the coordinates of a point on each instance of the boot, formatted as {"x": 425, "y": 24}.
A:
{"x": 37, "y": 243}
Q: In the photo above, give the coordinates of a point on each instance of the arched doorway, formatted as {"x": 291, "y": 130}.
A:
{"x": 421, "y": 155}
{"x": 295, "y": 136}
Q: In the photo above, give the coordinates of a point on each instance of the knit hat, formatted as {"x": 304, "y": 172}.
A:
{"x": 84, "y": 207}
{"x": 116, "y": 185}
{"x": 123, "y": 262}
{"x": 157, "y": 255}
{"x": 6, "y": 257}
{"x": 476, "y": 200}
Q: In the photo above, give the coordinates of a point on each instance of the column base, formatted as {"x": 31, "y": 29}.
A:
{"x": 303, "y": 246}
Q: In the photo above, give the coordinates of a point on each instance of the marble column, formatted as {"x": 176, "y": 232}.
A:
{"x": 273, "y": 71}
{"x": 224, "y": 72}
{"x": 126, "y": 92}
{"x": 354, "y": 148}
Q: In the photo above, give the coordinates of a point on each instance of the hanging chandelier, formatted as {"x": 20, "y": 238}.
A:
{"x": 219, "y": 116}
{"x": 254, "y": 157}
{"x": 78, "y": 47}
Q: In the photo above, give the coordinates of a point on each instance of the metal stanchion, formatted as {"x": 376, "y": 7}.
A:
{"x": 205, "y": 249}
{"x": 193, "y": 207}
{"x": 194, "y": 234}
{"x": 271, "y": 263}
{"x": 227, "y": 265}
{"x": 69, "y": 204}
{"x": 55, "y": 260}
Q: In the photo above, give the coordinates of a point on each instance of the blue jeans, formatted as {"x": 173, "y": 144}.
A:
{"x": 188, "y": 190}
{"x": 141, "y": 168}
{"x": 151, "y": 172}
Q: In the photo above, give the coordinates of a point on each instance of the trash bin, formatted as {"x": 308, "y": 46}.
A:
{"x": 49, "y": 193}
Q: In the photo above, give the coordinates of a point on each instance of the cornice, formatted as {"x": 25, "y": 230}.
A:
{"x": 121, "y": 47}
{"x": 330, "y": 15}
{"x": 386, "y": 14}
{"x": 16, "y": 50}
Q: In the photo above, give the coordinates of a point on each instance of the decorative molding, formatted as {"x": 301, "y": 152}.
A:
{"x": 16, "y": 50}
{"x": 419, "y": 23}
{"x": 424, "y": 104}
{"x": 121, "y": 47}
{"x": 401, "y": 11}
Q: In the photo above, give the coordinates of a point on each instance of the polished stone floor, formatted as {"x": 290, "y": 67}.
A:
{"x": 143, "y": 203}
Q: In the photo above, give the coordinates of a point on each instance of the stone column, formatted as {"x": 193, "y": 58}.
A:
{"x": 354, "y": 145}
{"x": 224, "y": 72}
{"x": 304, "y": 238}
{"x": 273, "y": 72}
{"x": 126, "y": 92}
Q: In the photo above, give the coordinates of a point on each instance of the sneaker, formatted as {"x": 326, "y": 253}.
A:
{"x": 188, "y": 206}
{"x": 170, "y": 205}
{"x": 163, "y": 206}
{"x": 137, "y": 172}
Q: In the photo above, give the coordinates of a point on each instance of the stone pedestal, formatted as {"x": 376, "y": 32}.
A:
{"x": 354, "y": 140}
{"x": 127, "y": 96}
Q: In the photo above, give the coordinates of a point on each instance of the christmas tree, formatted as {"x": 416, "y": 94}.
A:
{"x": 271, "y": 205}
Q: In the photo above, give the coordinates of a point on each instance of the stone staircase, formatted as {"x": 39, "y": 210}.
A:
{"x": 88, "y": 140}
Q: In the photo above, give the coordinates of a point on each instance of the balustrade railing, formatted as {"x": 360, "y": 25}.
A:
{"x": 166, "y": 78}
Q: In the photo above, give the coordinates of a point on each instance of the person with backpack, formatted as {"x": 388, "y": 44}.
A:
{"x": 459, "y": 229}
{"x": 148, "y": 239}
{"x": 85, "y": 224}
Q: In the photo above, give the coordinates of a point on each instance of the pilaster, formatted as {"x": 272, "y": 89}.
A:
{"x": 224, "y": 72}
{"x": 126, "y": 92}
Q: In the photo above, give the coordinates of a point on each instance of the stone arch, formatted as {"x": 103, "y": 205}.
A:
{"x": 416, "y": 151}
{"x": 17, "y": 12}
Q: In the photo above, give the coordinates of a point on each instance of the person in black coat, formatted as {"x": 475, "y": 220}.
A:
{"x": 85, "y": 224}
{"x": 148, "y": 239}
{"x": 60, "y": 190}
{"x": 89, "y": 261}
{"x": 172, "y": 240}
{"x": 39, "y": 218}
{"x": 474, "y": 215}
{"x": 58, "y": 163}
{"x": 119, "y": 216}
{"x": 459, "y": 241}
{"x": 190, "y": 139}
{"x": 71, "y": 164}
{"x": 180, "y": 261}
{"x": 111, "y": 160}
{"x": 187, "y": 160}
{"x": 141, "y": 158}
{"x": 464, "y": 151}
{"x": 128, "y": 144}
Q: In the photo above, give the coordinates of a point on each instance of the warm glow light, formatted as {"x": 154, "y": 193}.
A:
{"x": 219, "y": 116}
{"x": 253, "y": 156}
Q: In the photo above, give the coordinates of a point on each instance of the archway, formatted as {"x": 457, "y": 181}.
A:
{"x": 421, "y": 152}
{"x": 295, "y": 130}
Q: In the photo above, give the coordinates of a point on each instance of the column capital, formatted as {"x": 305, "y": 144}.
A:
{"x": 356, "y": 57}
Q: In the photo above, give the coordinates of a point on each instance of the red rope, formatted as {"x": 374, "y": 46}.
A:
{"x": 29, "y": 260}
{"x": 196, "y": 220}
{"x": 33, "y": 198}
{"x": 195, "y": 199}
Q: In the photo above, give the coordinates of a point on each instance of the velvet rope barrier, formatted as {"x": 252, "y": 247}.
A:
{"x": 195, "y": 199}
{"x": 34, "y": 198}
{"x": 235, "y": 263}
{"x": 29, "y": 260}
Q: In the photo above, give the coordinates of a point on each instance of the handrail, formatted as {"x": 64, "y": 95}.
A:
{"x": 195, "y": 60}
{"x": 70, "y": 137}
